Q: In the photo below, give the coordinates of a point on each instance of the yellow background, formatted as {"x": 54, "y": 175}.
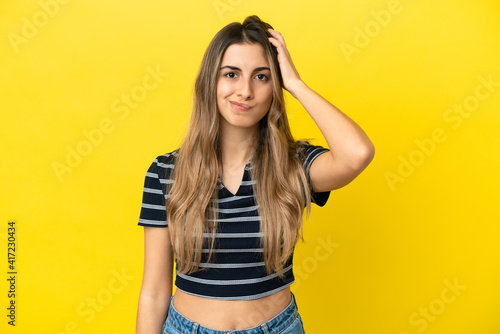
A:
{"x": 378, "y": 258}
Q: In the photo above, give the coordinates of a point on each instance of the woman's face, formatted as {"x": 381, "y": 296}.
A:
{"x": 244, "y": 87}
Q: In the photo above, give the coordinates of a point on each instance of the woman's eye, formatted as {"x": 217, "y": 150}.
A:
{"x": 262, "y": 77}
{"x": 230, "y": 74}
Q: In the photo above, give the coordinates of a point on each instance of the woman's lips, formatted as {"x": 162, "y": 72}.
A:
{"x": 240, "y": 106}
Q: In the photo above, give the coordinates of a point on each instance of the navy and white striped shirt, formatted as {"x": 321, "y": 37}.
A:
{"x": 237, "y": 272}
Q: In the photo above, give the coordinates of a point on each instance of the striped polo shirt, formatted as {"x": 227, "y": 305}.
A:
{"x": 237, "y": 270}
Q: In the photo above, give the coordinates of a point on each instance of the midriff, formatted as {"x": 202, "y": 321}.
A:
{"x": 231, "y": 314}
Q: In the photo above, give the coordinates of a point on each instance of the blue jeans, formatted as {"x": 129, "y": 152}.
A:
{"x": 287, "y": 321}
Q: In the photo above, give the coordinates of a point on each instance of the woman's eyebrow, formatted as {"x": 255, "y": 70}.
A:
{"x": 257, "y": 69}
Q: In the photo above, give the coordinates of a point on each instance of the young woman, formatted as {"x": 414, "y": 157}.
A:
{"x": 228, "y": 204}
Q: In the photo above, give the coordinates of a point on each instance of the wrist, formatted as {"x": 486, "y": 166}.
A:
{"x": 296, "y": 87}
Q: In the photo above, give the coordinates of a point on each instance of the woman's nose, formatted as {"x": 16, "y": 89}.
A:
{"x": 244, "y": 88}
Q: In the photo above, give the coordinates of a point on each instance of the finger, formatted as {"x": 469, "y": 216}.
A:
{"x": 275, "y": 42}
{"x": 277, "y": 35}
{"x": 282, "y": 50}
{"x": 278, "y": 42}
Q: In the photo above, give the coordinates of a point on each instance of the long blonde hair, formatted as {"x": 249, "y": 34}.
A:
{"x": 281, "y": 187}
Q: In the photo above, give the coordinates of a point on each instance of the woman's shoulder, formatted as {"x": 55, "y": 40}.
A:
{"x": 305, "y": 150}
{"x": 163, "y": 164}
{"x": 168, "y": 158}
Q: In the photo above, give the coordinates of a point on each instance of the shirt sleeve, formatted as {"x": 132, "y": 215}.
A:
{"x": 153, "y": 210}
{"x": 309, "y": 153}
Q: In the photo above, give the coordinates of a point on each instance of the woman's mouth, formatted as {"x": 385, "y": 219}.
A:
{"x": 240, "y": 106}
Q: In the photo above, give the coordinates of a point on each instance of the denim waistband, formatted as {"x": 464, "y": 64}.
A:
{"x": 272, "y": 326}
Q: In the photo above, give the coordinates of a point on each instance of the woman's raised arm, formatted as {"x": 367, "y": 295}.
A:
{"x": 350, "y": 148}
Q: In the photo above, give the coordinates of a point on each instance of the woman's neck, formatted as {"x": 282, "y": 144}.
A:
{"x": 237, "y": 146}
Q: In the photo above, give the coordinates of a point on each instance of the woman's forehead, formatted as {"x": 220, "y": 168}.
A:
{"x": 245, "y": 56}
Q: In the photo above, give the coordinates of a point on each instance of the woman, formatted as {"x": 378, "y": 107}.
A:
{"x": 230, "y": 199}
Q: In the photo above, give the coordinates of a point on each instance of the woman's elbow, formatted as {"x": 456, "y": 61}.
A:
{"x": 364, "y": 156}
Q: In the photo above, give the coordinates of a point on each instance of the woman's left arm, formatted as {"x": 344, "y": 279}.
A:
{"x": 350, "y": 148}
